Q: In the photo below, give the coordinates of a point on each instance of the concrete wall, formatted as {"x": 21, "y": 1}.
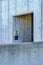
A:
{"x": 22, "y": 54}
{"x": 5, "y": 21}
{"x": 19, "y": 7}
{"x": 29, "y": 6}
{"x": 27, "y": 54}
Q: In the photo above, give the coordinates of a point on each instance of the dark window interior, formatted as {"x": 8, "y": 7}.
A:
{"x": 24, "y": 25}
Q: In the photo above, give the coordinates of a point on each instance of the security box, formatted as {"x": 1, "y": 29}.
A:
{"x": 23, "y": 28}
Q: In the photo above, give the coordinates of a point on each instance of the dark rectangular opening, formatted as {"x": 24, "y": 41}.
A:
{"x": 23, "y": 26}
{"x": 16, "y": 37}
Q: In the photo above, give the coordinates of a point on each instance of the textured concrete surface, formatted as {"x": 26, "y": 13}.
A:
{"x": 26, "y": 54}
{"x": 20, "y": 53}
{"x": 19, "y": 7}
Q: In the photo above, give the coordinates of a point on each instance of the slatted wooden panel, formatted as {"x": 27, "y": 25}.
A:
{"x": 23, "y": 24}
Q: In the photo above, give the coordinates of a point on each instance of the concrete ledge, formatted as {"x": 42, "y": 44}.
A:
{"x": 25, "y": 45}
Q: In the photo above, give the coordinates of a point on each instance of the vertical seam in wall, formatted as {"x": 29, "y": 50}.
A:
{"x": 1, "y": 21}
{"x": 41, "y": 20}
{"x": 8, "y": 21}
